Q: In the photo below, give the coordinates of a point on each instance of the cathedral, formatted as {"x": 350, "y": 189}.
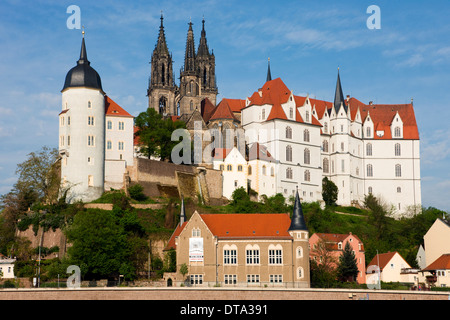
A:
{"x": 285, "y": 141}
{"x": 197, "y": 76}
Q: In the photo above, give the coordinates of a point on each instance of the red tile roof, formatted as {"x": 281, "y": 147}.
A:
{"x": 176, "y": 233}
{"x": 441, "y": 263}
{"x": 207, "y": 108}
{"x": 335, "y": 238}
{"x": 236, "y": 105}
{"x": 220, "y": 153}
{"x": 222, "y": 111}
{"x": 249, "y": 225}
{"x": 382, "y": 259}
{"x": 113, "y": 109}
{"x": 242, "y": 226}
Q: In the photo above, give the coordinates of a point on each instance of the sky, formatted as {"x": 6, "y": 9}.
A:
{"x": 407, "y": 57}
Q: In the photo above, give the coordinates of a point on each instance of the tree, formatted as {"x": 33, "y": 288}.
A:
{"x": 347, "y": 268}
{"x": 98, "y": 242}
{"x": 323, "y": 265}
{"x": 155, "y": 134}
{"x": 379, "y": 215}
{"x": 39, "y": 172}
{"x": 329, "y": 192}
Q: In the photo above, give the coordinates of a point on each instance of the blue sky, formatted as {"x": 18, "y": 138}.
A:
{"x": 409, "y": 57}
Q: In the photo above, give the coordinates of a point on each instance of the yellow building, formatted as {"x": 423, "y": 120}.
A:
{"x": 243, "y": 249}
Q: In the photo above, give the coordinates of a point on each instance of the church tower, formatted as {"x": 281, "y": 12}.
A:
{"x": 82, "y": 132}
{"x": 197, "y": 77}
{"x": 300, "y": 234}
{"x": 161, "y": 87}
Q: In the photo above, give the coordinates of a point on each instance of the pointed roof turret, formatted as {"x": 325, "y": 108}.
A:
{"x": 189, "y": 57}
{"x": 182, "y": 212}
{"x": 339, "y": 96}
{"x": 83, "y": 75}
{"x": 297, "y": 220}
{"x": 269, "y": 75}
{"x": 161, "y": 45}
{"x": 203, "y": 46}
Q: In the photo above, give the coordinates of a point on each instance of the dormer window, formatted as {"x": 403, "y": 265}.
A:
{"x": 397, "y": 132}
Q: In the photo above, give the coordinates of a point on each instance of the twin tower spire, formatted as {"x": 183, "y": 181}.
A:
{"x": 197, "y": 76}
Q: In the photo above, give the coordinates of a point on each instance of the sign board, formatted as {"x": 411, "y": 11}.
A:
{"x": 196, "y": 249}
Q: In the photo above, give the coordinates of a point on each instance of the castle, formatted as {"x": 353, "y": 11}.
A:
{"x": 290, "y": 140}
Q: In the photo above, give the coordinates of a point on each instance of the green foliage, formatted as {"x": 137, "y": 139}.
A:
{"x": 136, "y": 192}
{"x": 347, "y": 268}
{"x": 155, "y": 134}
{"x": 329, "y": 192}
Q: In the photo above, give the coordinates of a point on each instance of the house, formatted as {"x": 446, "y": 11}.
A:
{"x": 437, "y": 241}
{"x": 337, "y": 244}
{"x": 392, "y": 268}
{"x": 440, "y": 271}
{"x": 6, "y": 267}
{"x": 242, "y": 249}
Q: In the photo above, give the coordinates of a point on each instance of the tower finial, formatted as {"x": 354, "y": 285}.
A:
{"x": 269, "y": 75}
{"x": 82, "y": 32}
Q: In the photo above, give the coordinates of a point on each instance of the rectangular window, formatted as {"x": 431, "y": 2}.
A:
{"x": 230, "y": 279}
{"x": 276, "y": 278}
{"x": 90, "y": 181}
{"x": 275, "y": 256}
{"x": 253, "y": 278}
{"x": 90, "y": 121}
{"x": 120, "y": 145}
{"x": 252, "y": 256}
{"x": 109, "y": 145}
{"x": 91, "y": 141}
{"x": 121, "y": 125}
{"x": 109, "y": 125}
{"x": 196, "y": 279}
{"x": 229, "y": 256}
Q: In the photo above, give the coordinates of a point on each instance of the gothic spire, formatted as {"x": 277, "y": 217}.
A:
{"x": 161, "y": 45}
{"x": 203, "y": 46}
{"x": 297, "y": 220}
{"x": 269, "y": 75}
{"x": 189, "y": 57}
{"x": 182, "y": 212}
{"x": 339, "y": 96}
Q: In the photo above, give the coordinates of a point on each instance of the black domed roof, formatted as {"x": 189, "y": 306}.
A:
{"x": 83, "y": 75}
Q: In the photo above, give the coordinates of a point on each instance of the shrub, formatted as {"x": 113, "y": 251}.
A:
{"x": 136, "y": 192}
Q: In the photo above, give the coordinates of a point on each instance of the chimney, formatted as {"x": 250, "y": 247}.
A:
{"x": 348, "y": 97}
{"x": 370, "y": 103}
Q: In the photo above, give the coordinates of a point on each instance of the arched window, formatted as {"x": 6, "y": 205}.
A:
{"x": 264, "y": 170}
{"x": 369, "y": 170}
{"x": 288, "y": 133}
{"x": 163, "y": 74}
{"x": 249, "y": 170}
{"x": 357, "y": 171}
{"x": 397, "y": 132}
{"x": 397, "y": 149}
{"x": 229, "y": 167}
{"x": 288, "y": 173}
{"x": 300, "y": 273}
{"x": 288, "y": 153}
{"x": 368, "y": 132}
{"x": 291, "y": 113}
{"x": 307, "y": 116}
{"x": 162, "y": 105}
{"x": 263, "y": 116}
{"x": 306, "y": 135}
{"x": 326, "y": 165}
{"x": 369, "y": 149}
{"x": 276, "y": 254}
{"x": 307, "y": 156}
{"x": 239, "y": 168}
{"x": 325, "y": 127}
{"x": 370, "y": 190}
{"x": 325, "y": 146}
{"x": 398, "y": 170}
{"x": 307, "y": 175}
{"x": 272, "y": 171}
{"x": 399, "y": 190}
{"x": 299, "y": 252}
{"x": 191, "y": 105}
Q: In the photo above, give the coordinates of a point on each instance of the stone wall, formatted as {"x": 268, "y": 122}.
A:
{"x": 173, "y": 293}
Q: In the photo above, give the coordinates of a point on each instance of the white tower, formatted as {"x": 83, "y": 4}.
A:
{"x": 82, "y": 132}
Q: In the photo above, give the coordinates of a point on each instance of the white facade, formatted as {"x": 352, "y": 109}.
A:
{"x": 361, "y": 148}
{"x": 7, "y": 268}
{"x": 82, "y": 143}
